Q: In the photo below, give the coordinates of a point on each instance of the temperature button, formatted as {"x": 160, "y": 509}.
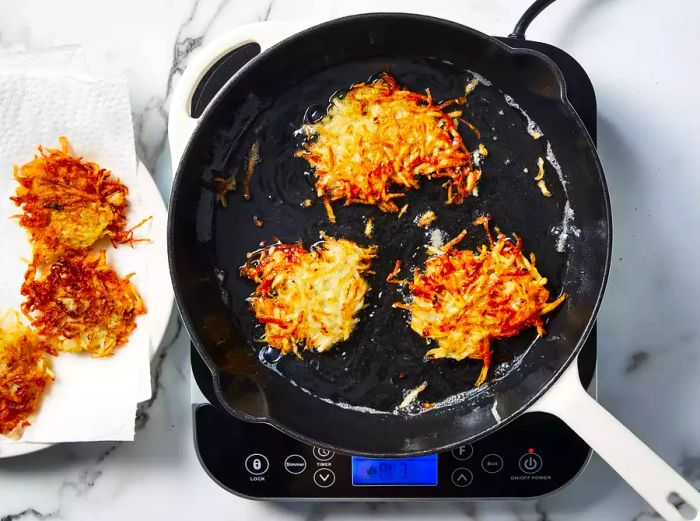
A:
{"x": 257, "y": 464}
{"x": 530, "y": 463}
{"x": 463, "y": 452}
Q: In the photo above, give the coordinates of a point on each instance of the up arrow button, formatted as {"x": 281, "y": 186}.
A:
{"x": 462, "y": 477}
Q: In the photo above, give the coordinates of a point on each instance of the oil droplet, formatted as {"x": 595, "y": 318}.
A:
{"x": 271, "y": 355}
{"x": 314, "y": 114}
{"x": 337, "y": 95}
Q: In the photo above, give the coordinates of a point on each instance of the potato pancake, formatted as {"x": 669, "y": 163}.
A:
{"x": 79, "y": 303}
{"x": 309, "y": 299}
{"x": 462, "y": 300}
{"x": 25, "y": 374}
{"x": 68, "y": 203}
{"x": 380, "y": 137}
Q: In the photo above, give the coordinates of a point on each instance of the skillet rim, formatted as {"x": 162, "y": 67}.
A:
{"x": 359, "y": 18}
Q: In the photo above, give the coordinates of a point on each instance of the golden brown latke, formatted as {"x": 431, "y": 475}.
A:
{"x": 380, "y": 137}
{"x": 463, "y": 299}
{"x": 25, "y": 373}
{"x": 309, "y": 299}
{"x": 68, "y": 204}
{"x": 79, "y": 303}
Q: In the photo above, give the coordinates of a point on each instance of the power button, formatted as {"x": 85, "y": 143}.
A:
{"x": 530, "y": 463}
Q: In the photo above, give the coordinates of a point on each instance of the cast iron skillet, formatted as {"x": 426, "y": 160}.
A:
{"x": 265, "y": 103}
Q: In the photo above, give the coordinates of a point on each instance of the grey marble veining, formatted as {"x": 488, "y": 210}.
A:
{"x": 648, "y": 328}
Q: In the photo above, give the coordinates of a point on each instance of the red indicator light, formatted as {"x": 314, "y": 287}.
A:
{"x": 531, "y": 451}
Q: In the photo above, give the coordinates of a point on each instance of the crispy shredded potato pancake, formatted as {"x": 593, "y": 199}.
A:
{"x": 309, "y": 299}
{"x": 462, "y": 300}
{"x": 25, "y": 373}
{"x": 79, "y": 303}
{"x": 380, "y": 137}
{"x": 68, "y": 204}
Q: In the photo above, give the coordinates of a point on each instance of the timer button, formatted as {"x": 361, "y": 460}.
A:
{"x": 463, "y": 452}
{"x": 530, "y": 463}
{"x": 257, "y": 464}
{"x": 324, "y": 477}
{"x": 323, "y": 454}
{"x": 295, "y": 464}
{"x": 492, "y": 463}
{"x": 462, "y": 477}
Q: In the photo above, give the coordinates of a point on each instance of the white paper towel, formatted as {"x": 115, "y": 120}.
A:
{"x": 91, "y": 399}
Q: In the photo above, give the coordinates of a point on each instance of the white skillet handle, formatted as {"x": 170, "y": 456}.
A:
{"x": 636, "y": 463}
{"x": 180, "y": 123}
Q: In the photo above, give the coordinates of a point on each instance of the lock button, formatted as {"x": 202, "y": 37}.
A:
{"x": 257, "y": 464}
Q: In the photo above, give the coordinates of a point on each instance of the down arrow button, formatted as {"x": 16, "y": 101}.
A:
{"x": 324, "y": 478}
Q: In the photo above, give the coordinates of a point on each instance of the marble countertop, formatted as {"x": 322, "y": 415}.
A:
{"x": 640, "y": 57}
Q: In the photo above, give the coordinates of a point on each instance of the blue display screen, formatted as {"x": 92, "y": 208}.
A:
{"x": 395, "y": 471}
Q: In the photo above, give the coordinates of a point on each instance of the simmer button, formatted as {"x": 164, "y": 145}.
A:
{"x": 295, "y": 464}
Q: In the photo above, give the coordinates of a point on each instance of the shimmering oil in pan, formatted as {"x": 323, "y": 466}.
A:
{"x": 269, "y": 357}
{"x": 384, "y": 358}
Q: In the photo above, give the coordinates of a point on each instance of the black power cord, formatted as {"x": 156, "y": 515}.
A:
{"x": 526, "y": 19}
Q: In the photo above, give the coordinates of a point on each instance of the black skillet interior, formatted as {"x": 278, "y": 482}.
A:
{"x": 383, "y": 357}
{"x": 265, "y": 104}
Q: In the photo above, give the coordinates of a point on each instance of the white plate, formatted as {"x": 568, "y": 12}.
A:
{"x": 159, "y": 309}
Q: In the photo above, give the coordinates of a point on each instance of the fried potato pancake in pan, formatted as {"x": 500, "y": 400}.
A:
{"x": 25, "y": 374}
{"x": 462, "y": 300}
{"x": 309, "y": 299}
{"x": 68, "y": 203}
{"x": 379, "y": 139}
{"x": 80, "y": 304}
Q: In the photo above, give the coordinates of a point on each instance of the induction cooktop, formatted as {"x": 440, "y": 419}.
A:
{"x": 532, "y": 456}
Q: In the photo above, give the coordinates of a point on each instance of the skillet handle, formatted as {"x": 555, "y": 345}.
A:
{"x": 180, "y": 123}
{"x": 647, "y": 473}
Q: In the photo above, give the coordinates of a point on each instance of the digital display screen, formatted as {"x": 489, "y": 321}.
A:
{"x": 421, "y": 470}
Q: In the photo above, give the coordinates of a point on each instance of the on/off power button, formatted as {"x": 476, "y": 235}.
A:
{"x": 530, "y": 463}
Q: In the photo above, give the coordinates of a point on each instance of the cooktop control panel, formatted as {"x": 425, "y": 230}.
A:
{"x": 534, "y": 455}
